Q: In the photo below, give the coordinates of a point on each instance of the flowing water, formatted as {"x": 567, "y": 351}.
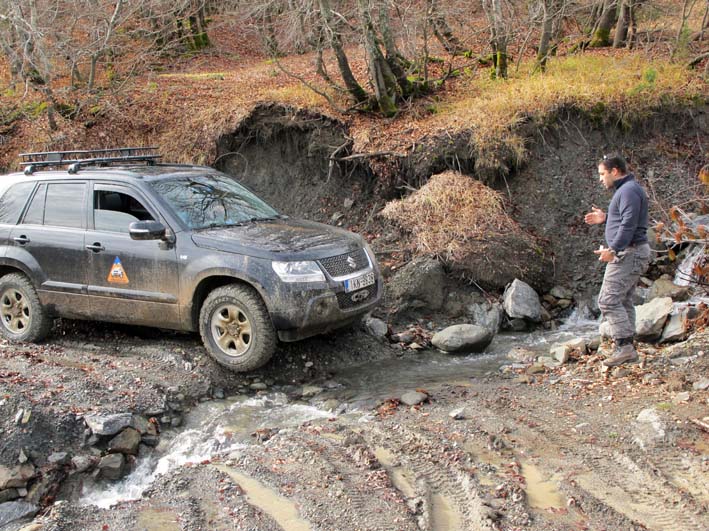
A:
{"x": 221, "y": 427}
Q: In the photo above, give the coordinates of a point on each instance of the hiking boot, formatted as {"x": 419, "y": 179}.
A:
{"x": 623, "y": 354}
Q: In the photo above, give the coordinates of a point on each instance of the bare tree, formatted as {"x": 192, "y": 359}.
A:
{"x": 499, "y": 15}
{"x": 601, "y": 35}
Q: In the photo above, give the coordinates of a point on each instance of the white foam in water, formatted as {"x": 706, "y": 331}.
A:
{"x": 213, "y": 438}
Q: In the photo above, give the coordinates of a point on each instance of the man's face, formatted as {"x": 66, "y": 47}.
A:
{"x": 607, "y": 177}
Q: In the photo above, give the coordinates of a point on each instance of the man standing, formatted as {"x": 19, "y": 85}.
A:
{"x": 627, "y": 255}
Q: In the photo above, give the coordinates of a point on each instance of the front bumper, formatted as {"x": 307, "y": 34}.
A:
{"x": 307, "y": 311}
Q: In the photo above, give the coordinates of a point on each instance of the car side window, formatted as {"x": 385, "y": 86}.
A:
{"x": 114, "y": 211}
{"x": 64, "y": 205}
{"x": 14, "y": 200}
{"x": 35, "y": 212}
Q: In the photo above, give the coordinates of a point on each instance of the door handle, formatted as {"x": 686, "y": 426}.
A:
{"x": 22, "y": 239}
{"x": 96, "y": 247}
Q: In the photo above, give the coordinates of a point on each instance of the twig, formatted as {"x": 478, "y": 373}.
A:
{"x": 703, "y": 425}
{"x": 331, "y": 163}
{"x": 370, "y": 155}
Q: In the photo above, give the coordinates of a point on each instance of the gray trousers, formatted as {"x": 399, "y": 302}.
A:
{"x": 616, "y": 297}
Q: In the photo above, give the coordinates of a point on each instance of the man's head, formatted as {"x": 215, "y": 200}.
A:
{"x": 611, "y": 168}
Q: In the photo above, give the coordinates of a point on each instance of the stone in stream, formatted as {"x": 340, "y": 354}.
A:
{"x": 112, "y": 466}
{"x": 462, "y": 338}
{"x": 522, "y": 302}
{"x": 562, "y": 351}
{"x": 59, "y": 458}
{"x": 108, "y": 424}
{"x": 16, "y": 510}
{"x": 82, "y": 463}
{"x": 126, "y": 442}
{"x": 413, "y": 398}
{"x": 486, "y": 315}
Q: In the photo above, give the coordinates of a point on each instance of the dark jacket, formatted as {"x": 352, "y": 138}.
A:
{"x": 626, "y": 222}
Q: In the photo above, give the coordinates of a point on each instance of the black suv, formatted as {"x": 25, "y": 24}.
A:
{"x": 118, "y": 237}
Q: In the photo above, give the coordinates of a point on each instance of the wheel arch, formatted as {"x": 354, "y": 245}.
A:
{"x": 209, "y": 284}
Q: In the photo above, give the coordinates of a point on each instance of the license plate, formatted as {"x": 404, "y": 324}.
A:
{"x": 354, "y": 284}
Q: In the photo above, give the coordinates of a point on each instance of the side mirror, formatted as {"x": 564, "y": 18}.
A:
{"x": 147, "y": 230}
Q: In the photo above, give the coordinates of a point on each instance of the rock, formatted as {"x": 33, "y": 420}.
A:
{"x": 108, "y": 424}
{"x": 310, "y": 391}
{"x": 462, "y": 338}
{"x": 126, "y": 442}
{"x": 348, "y": 203}
{"x": 16, "y": 510}
{"x": 16, "y": 477}
{"x": 620, "y": 372}
{"x": 536, "y": 368}
{"x": 82, "y": 463}
{"x": 457, "y": 414}
{"x": 564, "y": 303}
{"x": 376, "y": 327}
{"x": 522, "y": 302}
{"x": 663, "y": 287}
{"x": 413, "y": 398}
{"x": 259, "y": 386}
{"x": 59, "y": 458}
{"x": 681, "y": 397}
{"x": 594, "y": 343}
{"x": 143, "y": 425}
{"x": 112, "y": 466}
{"x": 548, "y": 361}
{"x": 485, "y": 314}
{"x": 418, "y": 284}
{"x": 559, "y": 292}
{"x": 676, "y": 326}
{"x": 701, "y": 384}
{"x": 650, "y": 318}
{"x": 9, "y": 495}
{"x": 521, "y": 354}
{"x": 416, "y": 346}
{"x": 150, "y": 440}
{"x": 560, "y": 352}
{"x": 648, "y": 429}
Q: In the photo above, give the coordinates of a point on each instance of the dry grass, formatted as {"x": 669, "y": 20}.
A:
{"x": 620, "y": 89}
{"x": 451, "y": 212}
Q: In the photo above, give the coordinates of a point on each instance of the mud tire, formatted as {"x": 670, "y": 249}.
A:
{"x": 238, "y": 306}
{"x": 34, "y": 324}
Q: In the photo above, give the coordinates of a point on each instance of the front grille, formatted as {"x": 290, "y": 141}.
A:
{"x": 344, "y": 300}
{"x": 338, "y": 266}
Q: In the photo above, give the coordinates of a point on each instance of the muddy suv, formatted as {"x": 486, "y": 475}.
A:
{"x": 118, "y": 237}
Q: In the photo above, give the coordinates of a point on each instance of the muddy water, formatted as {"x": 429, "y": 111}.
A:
{"x": 221, "y": 427}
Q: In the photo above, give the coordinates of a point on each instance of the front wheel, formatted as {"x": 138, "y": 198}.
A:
{"x": 22, "y": 317}
{"x": 236, "y": 328}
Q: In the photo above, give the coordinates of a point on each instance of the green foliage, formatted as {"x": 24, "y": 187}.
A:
{"x": 152, "y": 86}
{"x": 663, "y": 406}
{"x": 67, "y": 110}
{"x": 601, "y": 38}
{"x": 35, "y": 110}
{"x": 648, "y": 81}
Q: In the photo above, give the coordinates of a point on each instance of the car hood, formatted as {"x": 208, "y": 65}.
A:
{"x": 282, "y": 239}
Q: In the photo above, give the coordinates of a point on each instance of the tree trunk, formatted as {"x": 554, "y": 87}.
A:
{"x": 621, "y": 27}
{"x": 354, "y": 88}
{"x": 550, "y": 11}
{"x": 602, "y": 34}
{"x": 442, "y": 30}
{"x": 393, "y": 57}
{"x": 383, "y": 79}
{"x": 500, "y": 37}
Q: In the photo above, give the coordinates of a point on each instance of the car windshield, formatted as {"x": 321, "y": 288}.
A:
{"x": 212, "y": 200}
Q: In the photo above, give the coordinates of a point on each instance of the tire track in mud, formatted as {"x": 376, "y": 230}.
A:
{"x": 448, "y": 497}
{"x": 635, "y": 489}
{"x": 332, "y": 477}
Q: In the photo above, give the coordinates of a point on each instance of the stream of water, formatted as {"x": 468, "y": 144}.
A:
{"x": 220, "y": 427}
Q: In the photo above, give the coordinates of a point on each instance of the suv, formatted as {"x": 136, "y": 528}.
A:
{"x": 118, "y": 237}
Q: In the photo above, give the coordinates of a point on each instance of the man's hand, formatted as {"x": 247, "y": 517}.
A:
{"x": 605, "y": 254}
{"x": 595, "y": 217}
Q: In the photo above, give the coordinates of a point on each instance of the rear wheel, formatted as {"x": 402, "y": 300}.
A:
{"x": 22, "y": 317}
{"x": 236, "y": 328}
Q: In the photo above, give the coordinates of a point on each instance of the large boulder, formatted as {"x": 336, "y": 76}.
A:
{"x": 485, "y": 314}
{"x": 520, "y": 301}
{"x": 676, "y": 328}
{"x": 463, "y": 338}
{"x": 650, "y": 318}
{"x": 419, "y": 284}
{"x": 664, "y": 287}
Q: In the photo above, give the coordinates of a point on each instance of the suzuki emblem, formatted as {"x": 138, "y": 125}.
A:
{"x": 351, "y": 262}
{"x": 359, "y": 296}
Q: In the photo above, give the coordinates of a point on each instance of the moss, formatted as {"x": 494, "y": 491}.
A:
{"x": 601, "y": 38}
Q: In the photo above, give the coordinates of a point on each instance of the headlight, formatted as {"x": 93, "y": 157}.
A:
{"x": 298, "y": 271}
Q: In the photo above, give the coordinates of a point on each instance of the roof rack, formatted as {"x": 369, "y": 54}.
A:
{"x": 93, "y": 157}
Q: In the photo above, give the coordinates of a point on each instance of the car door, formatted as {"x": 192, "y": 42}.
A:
{"x": 129, "y": 281}
{"x": 50, "y": 240}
